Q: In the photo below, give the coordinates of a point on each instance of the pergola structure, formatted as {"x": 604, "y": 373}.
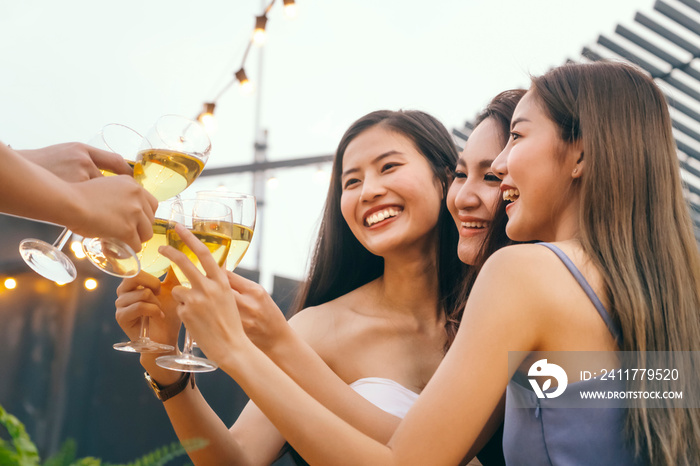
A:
{"x": 665, "y": 43}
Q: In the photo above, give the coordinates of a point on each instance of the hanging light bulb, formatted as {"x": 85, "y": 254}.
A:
{"x": 90, "y": 284}
{"x": 10, "y": 283}
{"x": 259, "y": 32}
{"x": 290, "y": 9}
{"x": 207, "y": 119}
{"x": 246, "y": 85}
{"x": 273, "y": 182}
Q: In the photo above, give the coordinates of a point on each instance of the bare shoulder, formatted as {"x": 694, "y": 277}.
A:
{"x": 325, "y": 318}
{"x": 525, "y": 280}
{"x": 527, "y": 262}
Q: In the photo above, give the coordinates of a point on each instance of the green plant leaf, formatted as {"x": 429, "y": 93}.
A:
{"x": 27, "y": 454}
{"x": 65, "y": 456}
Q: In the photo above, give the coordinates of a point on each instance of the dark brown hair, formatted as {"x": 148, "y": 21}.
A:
{"x": 500, "y": 110}
{"x": 340, "y": 263}
{"x": 635, "y": 225}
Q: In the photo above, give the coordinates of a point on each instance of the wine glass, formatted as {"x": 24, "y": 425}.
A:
{"x": 212, "y": 223}
{"x": 47, "y": 259}
{"x": 154, "y": 263}
{"x": 110, "y": 255}
{"x": 243, "y": 209}
{"x": 168, "y": 160}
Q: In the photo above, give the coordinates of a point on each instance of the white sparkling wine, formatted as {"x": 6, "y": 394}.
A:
{"x": 216, "y": 236}
{"x": 107, "y": 172}
{"x": 151, "y": 260}
{"x": 166, "y": 173}
{"x": 240, "y": 240}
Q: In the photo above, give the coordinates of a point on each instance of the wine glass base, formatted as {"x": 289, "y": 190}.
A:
{"x": 46, "y": 260}
{"x": 142, "y": 345}
{"x": 112, "y": 256}
{"x": 186, "y": 363}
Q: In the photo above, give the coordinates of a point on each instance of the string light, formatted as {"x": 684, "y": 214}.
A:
{"x": 10, "y": 283}
{"x": 259, "y": 35}
{"x": 77, "y": 249}
{"x": 207, "y": 119}
{"x": 244, "y": 82}
{"x": 290, "y": 9}
{"x": 90, "y": 284}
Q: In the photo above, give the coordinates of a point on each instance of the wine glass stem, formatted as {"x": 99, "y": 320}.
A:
{"x": 189, "y": 342}
{"x": 62, "y": 239}
{"x": 145, "y": 333}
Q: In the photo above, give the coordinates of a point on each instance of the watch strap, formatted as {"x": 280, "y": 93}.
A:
{"x": 164, "y": 393}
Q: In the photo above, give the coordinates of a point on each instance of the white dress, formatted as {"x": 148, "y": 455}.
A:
{"x": 390, "y": 396}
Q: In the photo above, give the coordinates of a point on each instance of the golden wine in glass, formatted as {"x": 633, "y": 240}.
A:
{"x": 211, "y": 222}
{"x": 244, "y": 211}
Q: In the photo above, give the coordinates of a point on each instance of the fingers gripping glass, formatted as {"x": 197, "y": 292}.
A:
{"x": 166, "y": 161}
{"x": 155, "y": 264}
{"x": 109, "y": 255}
{"x": 212, "y": 223}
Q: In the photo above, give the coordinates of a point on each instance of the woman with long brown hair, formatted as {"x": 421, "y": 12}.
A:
{"x": 590, "y": 169}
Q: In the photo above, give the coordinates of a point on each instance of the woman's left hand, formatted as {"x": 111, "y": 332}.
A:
{"x": 208, "y": 309}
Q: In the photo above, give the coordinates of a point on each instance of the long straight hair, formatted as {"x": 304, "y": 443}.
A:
{"x": 635, "y": 225}
{"x": 500, "y": 111}
{"x": 340, "y": 263}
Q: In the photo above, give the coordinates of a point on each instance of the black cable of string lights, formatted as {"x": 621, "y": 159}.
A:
{"x": 257, "y": 37}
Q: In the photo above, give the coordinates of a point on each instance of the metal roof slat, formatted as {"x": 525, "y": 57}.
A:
{"x": 685, "y": 129}
{"x": 681, "y": 107}
{"x": 649, "y": 47}
{"x": 694, "y": 4}
{"x": 667, "y": 34}
{"x": 623, "y": 52}
{"x": 670, "y": 12}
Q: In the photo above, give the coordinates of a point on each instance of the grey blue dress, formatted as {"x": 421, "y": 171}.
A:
{"x": 537, "y": 432}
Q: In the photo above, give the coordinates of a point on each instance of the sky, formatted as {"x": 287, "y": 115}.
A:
{"x": 70, "y": 67}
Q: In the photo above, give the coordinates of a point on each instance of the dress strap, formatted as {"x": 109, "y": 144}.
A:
{"x": 614, "y": 329}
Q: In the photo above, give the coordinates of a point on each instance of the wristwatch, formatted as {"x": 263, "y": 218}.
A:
{"x": 169, "y": 391}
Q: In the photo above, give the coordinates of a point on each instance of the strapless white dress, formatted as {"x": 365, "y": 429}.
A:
{"x": 386, "y": 394}
{"x": 390, "y": 396}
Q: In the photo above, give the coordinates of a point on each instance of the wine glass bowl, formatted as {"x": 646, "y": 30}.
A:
{"x": 172, "y": 156}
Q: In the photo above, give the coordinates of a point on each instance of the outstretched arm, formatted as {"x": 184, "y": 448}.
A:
{"x": 289, "y": 345}
{"x": 74, "y": 161}
{"x": 113, "y": 207}
{"x": 446, "y": 420}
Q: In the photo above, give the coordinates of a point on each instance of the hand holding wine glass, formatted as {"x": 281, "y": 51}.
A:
{"x": 154, "y": 265}
{"x": 210, "y": 224}
{"x": 207, "y": 306}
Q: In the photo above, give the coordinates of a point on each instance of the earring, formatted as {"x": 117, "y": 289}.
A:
{"x": 575, "y": 170}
